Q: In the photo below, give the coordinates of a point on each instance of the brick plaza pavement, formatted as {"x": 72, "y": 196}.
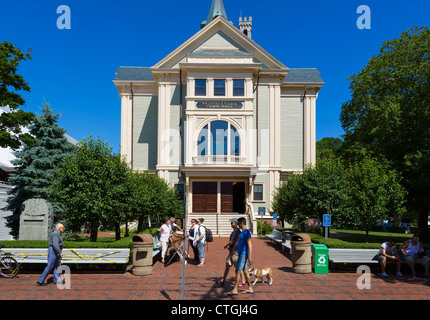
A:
{"x": 165, "y": 282}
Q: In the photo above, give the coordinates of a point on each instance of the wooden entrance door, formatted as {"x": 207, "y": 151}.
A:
{"x": 226, "y": 197}
{"x": 204, "y": 197}
{"x": 232, "y": 197}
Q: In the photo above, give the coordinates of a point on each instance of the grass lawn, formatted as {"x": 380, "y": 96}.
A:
{"x": 355, "y": 239}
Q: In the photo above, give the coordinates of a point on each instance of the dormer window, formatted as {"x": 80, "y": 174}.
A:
{"x": 219, "y": 87}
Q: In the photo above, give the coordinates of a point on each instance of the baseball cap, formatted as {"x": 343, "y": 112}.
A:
{"x": 233, "y": 220}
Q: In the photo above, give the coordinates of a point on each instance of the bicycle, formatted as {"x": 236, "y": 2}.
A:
{"x": 9, "y": 267}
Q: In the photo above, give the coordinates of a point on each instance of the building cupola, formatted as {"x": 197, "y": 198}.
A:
{"x": 245, "y": 26}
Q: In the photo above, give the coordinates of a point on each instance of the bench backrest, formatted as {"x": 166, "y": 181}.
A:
{"x": 277, "y": 233}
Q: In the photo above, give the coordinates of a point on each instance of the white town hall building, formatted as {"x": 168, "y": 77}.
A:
{"x": 220, "y": 119}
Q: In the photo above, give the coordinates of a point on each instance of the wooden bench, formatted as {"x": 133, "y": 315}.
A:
{"x": 72, "y": 255}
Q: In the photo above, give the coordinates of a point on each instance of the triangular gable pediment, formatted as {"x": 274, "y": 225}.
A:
{"x": 220, "y": 34}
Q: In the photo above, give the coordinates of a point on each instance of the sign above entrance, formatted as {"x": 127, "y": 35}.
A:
{"x": 220, "y": 104}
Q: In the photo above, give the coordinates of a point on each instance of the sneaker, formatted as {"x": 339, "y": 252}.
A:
{"x": 221, "y": 282}
{"x": 399, "y": 274}
{"x": 384, "y": 274}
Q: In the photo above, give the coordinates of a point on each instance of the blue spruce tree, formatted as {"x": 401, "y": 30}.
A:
{"x": 35, "y": 165}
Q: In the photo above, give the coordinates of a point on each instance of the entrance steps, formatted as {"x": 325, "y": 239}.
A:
{"x": 219, "y": 223}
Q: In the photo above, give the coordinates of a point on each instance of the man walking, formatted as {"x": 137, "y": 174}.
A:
{"x": 244, "y": 249}
{"x": 232, "y": 255}
{"x": 54, "y": 255}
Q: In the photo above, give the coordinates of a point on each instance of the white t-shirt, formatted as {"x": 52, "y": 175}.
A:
{"x": 388, "y": 250}
{"x": 165, "y": 233}
{"x": 200, "y": 230}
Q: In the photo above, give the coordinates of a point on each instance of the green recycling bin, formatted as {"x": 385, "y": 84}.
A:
{"x": 320, "y": 258}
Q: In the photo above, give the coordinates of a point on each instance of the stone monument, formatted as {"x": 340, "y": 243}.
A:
{"x": 36, "y": 221}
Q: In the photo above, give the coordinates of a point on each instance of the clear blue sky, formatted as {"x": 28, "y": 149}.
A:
{"x": 73, "y": 69}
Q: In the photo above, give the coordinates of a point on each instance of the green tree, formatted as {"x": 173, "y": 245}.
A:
{"x": 388, "y": 116}
{"x": 316, "y": 191}
{"x": 11, "y": 123}
{"x": 373, "y": 192}
{"x": 328, "y": 148}
{"x": 153, "y": 197}
{"x": 35, "y": 164}
{"x": 88, "y": 185}
{"x": 97, "y": 188}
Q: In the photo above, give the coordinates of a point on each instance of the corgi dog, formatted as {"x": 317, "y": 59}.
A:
{"x": 259, "y": 273}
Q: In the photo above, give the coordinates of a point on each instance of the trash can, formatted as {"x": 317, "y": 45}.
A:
{"x": 301, "y": 253}
{"x": 142, "y": 254}
{"x": 320, "y": 259}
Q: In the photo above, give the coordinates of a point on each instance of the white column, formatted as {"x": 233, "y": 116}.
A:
{"x": 313, "y": 131}
{"x": 277, "y": 111}
{"x": 163, "y": 124}
{"x": 309, "y": 131}
{"x": 271, "y": 125}
{"x": 126, "y": 127}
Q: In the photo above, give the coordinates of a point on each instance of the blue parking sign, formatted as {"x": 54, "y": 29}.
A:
{"x": 326, "y": 220}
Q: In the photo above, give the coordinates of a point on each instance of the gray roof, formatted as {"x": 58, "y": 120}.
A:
{"x": 134, "y": 74}
{"x": 295, "y": 75}
{"x": 303, "y": 75}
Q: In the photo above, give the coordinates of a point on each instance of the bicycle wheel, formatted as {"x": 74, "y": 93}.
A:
{"x": 9, "y": 267}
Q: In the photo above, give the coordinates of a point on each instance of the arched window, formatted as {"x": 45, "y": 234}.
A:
{"x": 218, "y": 138}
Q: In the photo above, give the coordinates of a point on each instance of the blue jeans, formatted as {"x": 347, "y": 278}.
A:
{"x": 54, "y": 261}
{"x": 201, "y": 247}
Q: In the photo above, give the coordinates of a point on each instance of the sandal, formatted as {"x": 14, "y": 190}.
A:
{"x": 200, "y": 265}
{"x": 242, "y": 284}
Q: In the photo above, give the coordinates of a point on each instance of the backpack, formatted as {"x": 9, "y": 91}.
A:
{"x": 209, "y": 235}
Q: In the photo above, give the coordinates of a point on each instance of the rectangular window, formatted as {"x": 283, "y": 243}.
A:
{"x": 258, "y": 192}
{"x": 219, "y": 87}
{"x": 200, "y": 87}
{"x": 238, "y": 88}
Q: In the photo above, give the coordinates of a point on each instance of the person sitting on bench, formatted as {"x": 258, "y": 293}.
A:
{"x": 388, "y": 251}
{"x": 413, "y": 252}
